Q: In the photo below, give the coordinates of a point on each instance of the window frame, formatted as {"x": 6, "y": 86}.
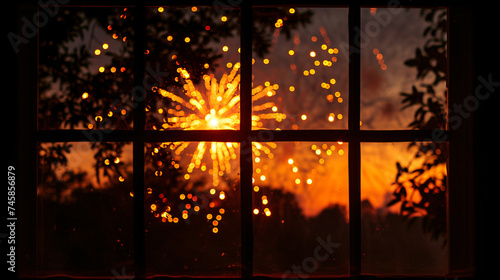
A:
{"x": 460, "y": 219}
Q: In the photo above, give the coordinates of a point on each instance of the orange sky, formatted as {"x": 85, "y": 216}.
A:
{"x": 328, "y": 183}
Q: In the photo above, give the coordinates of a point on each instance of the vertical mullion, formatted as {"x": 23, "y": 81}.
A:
{"x": 460, "y": 190}
{"x": 246, "y": 168}
{"x": 354, "y": 143}
{"x": 26, "y": 202}
{"x": 138, "y": 144}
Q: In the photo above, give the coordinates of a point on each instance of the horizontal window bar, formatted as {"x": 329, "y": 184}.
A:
{"x": 404, "y": 135}
{"x": 238, "y": 136}
{"x": 131, "y": 135}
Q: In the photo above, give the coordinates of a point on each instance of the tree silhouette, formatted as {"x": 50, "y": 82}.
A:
{"x": 429, "y": 179}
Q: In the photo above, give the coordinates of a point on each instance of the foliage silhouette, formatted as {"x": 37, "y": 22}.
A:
{"x": 429, "y": 179}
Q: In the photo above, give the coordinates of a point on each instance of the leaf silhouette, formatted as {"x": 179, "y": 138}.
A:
{"x": 429, "y": 107}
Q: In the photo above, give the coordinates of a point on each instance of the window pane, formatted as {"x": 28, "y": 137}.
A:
{"x": 192, "y": 210}
{"x": 85, "y": 69}
{"x": 192, "y": 68}
{"x": 403, "y": 68}
{"x": 300, "y": 203}
{"x": 403, "y": 192}
{"x": 300, "y": 70}
{"x": 84, "y": 209}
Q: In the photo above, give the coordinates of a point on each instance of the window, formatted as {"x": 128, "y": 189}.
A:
{"x": 322, "y": 126}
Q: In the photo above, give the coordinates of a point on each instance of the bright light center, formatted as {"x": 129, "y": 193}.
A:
{"x": 212, "y": 120}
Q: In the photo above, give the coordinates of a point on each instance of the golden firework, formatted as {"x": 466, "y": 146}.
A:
{"x": 216, "y": 107}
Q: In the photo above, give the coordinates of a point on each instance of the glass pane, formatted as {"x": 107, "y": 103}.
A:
{"x": 300, "y": 202}
{"x": 85, "y": 69}
{"x": 192, "y": 68}
{"x": 403, "y": 192}
{"x": 403, "y": 68}
{"x": 84, "y": 209}
{"x": 300, "y": 70}
{"x": 192, "y": 210}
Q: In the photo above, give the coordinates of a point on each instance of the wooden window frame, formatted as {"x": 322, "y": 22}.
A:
{"x": 460, "y": 193}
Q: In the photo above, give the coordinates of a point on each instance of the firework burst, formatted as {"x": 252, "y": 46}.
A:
{"x": 216, "y": 108}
